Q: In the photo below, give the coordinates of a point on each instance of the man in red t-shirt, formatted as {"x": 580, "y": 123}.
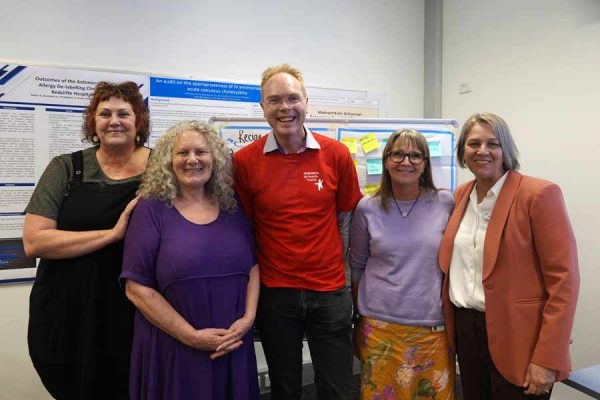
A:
{"x": 300, "y": 189}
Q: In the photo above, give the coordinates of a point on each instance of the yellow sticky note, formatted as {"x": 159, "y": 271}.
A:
{"x": 355, "y": 163}
{"x": 369, "y": 143}
{"x": 350, "y": 143}
{"x": 370, "y": 188}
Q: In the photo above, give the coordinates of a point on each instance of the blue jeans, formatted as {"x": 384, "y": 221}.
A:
{"x": 284, "y": 317}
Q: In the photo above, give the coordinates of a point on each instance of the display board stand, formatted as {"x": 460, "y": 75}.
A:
{"x": 365, "y": 139}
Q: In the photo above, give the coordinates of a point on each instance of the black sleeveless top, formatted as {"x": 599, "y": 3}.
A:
{"x": 79, "y": 314}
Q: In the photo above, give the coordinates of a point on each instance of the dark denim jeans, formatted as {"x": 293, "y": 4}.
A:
{"x": 284, "y": 317}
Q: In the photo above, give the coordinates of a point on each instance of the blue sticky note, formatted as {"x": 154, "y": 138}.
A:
{"x": 435, "y": 148}
{"x": 374, "y": 166}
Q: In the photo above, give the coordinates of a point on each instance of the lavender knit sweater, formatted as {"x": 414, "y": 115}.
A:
{"x": 394, "y": 260}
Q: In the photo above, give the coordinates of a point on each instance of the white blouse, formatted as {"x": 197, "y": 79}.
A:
{"x": 466, "y": 266}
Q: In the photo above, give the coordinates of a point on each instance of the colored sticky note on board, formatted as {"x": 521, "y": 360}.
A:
{"x": 369, "y": 143}
{"x": 350, "y": 144}
{"x": 435, "y": 148}
{"x": 374, "y": 166}
{"x": 371, "y": 188}
{"x": 355, "y": 163}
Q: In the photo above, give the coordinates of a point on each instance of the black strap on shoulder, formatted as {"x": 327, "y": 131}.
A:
{"x": 77, "y": 178}
{"x": 77, "y": 159}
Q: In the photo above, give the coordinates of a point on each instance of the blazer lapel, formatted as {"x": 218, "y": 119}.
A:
{"x": 447, "y": 244}
{"x": 496, "y": 225}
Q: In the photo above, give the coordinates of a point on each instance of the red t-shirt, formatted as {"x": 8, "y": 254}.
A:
{"x": 293, "y": 200}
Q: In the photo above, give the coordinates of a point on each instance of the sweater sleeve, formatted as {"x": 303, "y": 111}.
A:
{"x": 359, "y": 242}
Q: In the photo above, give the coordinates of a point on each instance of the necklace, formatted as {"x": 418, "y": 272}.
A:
{"x": 405, "y": 214}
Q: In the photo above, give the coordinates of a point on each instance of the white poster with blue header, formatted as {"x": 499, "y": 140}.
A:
{"x": 41, "y": 116}
{"x": 173, "y": 100}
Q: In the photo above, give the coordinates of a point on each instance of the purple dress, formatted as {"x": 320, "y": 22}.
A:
{"x": 202, "y": 271}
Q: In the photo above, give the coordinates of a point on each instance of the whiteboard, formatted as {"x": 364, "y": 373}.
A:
{"x": 440, "y": 135}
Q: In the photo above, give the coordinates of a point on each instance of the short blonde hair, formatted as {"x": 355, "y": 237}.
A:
{"x": 282, "y": 68}
{"x": 159, "y": 181}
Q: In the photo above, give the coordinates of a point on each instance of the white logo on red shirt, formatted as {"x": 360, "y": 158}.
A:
{"x": 314, "y": 177}
{"x": 319, "y": 184}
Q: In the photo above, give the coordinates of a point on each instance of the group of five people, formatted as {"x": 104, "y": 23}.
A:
{"x": 149, "y": 286}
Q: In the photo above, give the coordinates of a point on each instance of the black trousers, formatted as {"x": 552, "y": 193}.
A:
{"x": 480, "y": 380}
{"x": 284, "y": 316}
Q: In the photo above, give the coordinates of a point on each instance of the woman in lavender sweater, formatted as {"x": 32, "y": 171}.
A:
{"x": 396, "y": 281}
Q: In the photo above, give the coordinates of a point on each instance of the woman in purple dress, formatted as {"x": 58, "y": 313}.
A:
{"x": 190, "y": 269}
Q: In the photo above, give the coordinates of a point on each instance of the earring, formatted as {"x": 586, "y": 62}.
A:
{"x": 95, "y": 139}
{"x": 138, "y": 139}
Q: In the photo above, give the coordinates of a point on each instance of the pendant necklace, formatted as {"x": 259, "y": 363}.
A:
{"x": 405, "y": 214}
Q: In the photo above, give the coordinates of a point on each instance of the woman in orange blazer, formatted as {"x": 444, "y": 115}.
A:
{"x": 511, "y": 273}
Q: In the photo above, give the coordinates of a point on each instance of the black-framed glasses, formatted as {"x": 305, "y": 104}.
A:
{"x": 414, "y": 158}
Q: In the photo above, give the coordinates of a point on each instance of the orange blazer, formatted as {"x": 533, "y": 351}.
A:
{"x": 530, "y": 276}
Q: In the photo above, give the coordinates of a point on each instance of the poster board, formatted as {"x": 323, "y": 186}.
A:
{"x": 365, "y": 139}
{"x": 41, "y": 116}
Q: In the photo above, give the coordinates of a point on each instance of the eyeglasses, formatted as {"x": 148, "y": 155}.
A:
{"x": 291, "y": 100}
{"x": 399, "y": 156}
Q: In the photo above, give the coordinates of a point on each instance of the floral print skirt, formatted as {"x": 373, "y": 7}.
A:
{"x": 404, "y": 362}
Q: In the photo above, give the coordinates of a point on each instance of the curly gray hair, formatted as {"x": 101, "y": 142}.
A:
{"x": 159, "y": 181}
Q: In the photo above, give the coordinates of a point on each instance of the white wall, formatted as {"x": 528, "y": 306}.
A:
{"x": 354, "y": 44}
{"x": 536, "y": 63}
{"x": 351, "y": 44}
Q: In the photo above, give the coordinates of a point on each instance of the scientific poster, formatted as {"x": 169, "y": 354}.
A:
{"x": 41, "y": 116}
